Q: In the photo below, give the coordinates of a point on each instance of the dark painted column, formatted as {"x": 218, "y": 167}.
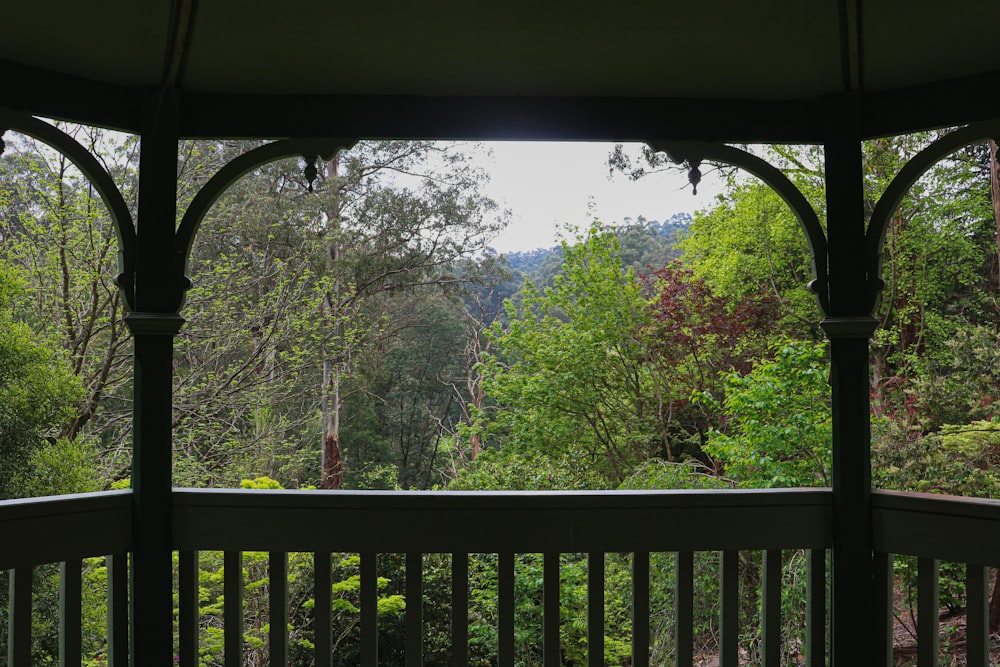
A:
{"x": 154, "y": 323}
{"x": 849, "y": 327}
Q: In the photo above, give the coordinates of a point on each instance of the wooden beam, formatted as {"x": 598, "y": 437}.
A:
{"x": 53, "y": 529}
{"x": 562, "y": 522}
{"x": 63, "y": 97}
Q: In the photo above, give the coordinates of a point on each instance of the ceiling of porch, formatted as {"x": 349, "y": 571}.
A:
{"x": 700, "y": 58}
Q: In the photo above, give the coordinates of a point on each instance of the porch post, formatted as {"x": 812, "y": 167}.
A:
{"x": 849, "y": 326}
{"x": 153, "y": 324}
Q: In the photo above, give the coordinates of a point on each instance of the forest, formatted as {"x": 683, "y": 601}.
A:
{"x": 350, "y": 327}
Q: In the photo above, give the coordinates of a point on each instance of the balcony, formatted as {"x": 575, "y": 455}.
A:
{"x": 727, "y": 523}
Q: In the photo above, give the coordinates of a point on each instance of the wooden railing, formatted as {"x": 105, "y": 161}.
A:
{"x": 68, "y": 529}
{"x": 936, "y": 529}
{"x": 506, "y": 524}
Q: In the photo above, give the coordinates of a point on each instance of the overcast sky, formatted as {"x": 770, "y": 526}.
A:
{"x": 548, "y": 184}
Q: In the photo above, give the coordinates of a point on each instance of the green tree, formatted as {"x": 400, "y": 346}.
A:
{"x": 749, "y": 243}
{"x": 402, "y": 401}
{"x": 937, "y": 260}
{"x": 779, "y": 430}
{"x": 303, "y": 296}
{"x": 568, "y": 368}
{"x": 693, "y": 337}
{"x": 38, "y": 390}
{"x": 59, "y": 236}
{"x": 38, "y": 393}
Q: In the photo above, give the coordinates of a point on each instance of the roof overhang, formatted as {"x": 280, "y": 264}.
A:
{"x": 724, "y": 71}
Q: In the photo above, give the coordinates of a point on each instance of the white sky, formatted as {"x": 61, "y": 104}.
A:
{"x": 548, "y": 184}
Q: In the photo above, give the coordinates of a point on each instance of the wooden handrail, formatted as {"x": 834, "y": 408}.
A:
{"x": 61, "y": 528}
{"x": 961, "y": 530}
{"x": 53, "y": 529}
{"x": 491, "y": 522}
{"x": 67, "y": 529}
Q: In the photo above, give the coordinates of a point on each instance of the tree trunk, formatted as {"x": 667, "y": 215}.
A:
{"x": 994, "y": 277}
{"x": 475, "y": 351}
{"x": 333, "y": 463}
{"x": 333, "y": 466}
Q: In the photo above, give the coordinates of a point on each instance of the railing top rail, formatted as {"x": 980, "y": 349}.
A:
{"x": 72, "y": 503}
{"x": 501, "y": 521}
{"x": 426, "y": 500}
{"x": 936, "y": 503}
{"x": 56, "y": 528}
{"x": 951, "y": 528}
{"x": 38, "y": 530}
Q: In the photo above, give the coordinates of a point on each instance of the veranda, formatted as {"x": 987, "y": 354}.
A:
{"x": 691, "y": 80}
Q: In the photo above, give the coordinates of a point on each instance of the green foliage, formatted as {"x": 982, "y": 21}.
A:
{"x": 260, "y": 483}
{"x": 657, "y": 474}
{"x": 398, "y": 438}
{"x": 961, "y": 460}
{"x": 58, "y": 235}
{"x": 333, "y": 310}
{"x": 960, "y": 383}
{"x": 38, "y": 390}
{"x": 779, "y": 428}
{"x": 345, "y": 607}
{"x": 568, "y": 373}
{"x": 352, "y": 299}
{"x": 751, "y": 243}
{"x": 931, "y": 357}
{"x": 525, "y": 469}
{"x": 693, "y": 338}
{"x": 64, "y": 466}
{"x": 45, "y": 620}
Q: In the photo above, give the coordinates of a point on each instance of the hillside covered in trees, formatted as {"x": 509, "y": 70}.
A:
{"x": 354, "y": 330}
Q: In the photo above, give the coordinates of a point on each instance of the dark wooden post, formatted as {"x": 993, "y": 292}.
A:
{"x": 849, "y": 326}
{"x": 158, "y": 290}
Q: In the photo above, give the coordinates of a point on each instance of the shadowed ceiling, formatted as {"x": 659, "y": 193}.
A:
{"x": 749, "y": 68}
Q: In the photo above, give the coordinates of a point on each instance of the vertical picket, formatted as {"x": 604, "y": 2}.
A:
{"x": 977, "y": 616}
{"x": 232, "y": 608}
{"x": 640, "y": 609}
{"x": 928, "y": 613}
{"x": 277, "y": 576}
{"x": 771, "y": 608}
{"x": 369, "y": 610}
{"x": 816, "y": 608}
{"x": 414, "y": 609}
{"x": 322, "y": 621}
{"x": 883, "y": 609}
{"x": 729, "y": 611}
{"x": 684, "y": 609}
{"x": 187, "y": 608}
{"x": 551, "y": 649}
{"x": 460, "y": 609}
{"x": 595, "y": 609}
{"x": 118, "y": 616}
{"x": 19, "y": 621}
{"x": 70, "y": 610}
{"x": 505, "y": 608}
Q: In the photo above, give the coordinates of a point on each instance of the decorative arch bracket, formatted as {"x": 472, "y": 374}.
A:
{"x": 694, "y": 153}
{"x": 93, "y": 171}
{"x": 911, "y": 172}
{"x": 310, "y": 149}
